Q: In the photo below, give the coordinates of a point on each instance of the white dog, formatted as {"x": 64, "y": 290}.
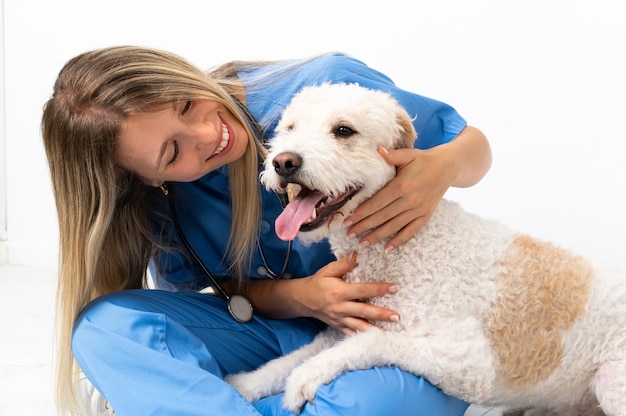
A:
{"x": 489, "y": 315}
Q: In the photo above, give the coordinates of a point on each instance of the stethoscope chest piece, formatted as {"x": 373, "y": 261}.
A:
{"x": 240, "y": 308}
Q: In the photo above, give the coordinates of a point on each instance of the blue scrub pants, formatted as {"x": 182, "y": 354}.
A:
{"x": 152, "y": 352}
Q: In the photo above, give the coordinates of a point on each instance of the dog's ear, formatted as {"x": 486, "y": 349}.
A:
{"x": 408, "y": 134}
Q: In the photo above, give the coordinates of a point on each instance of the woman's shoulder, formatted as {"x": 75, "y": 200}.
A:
{"x": 270, "y": 88}
{"x": 291, "y": 75}
{"x": 341, "y": 67}
{"x": 336, "y": 59}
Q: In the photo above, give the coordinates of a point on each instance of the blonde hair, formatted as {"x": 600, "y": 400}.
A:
{"x": 103, "y": 210}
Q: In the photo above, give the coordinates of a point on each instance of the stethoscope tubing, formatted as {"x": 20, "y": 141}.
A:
{"x": 239, "y": 307}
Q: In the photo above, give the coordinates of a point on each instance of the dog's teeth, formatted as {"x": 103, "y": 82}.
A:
{"x": 313, "y": 215}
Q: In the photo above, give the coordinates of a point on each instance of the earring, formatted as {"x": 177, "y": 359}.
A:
{"x": 164, "y": 189}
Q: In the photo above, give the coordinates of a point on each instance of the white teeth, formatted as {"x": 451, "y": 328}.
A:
{"x": 224, "y": 142}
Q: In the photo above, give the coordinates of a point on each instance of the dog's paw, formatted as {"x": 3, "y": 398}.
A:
{"x": 297, "y": 395}
{"x": 249, "y": 386}
{"x": 302, "y": 385}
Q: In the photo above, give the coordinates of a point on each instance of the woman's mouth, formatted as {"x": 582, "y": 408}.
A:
{"x": 224, "y": 141}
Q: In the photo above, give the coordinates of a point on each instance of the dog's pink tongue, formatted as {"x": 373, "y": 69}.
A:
{"x": 295, "y": 214}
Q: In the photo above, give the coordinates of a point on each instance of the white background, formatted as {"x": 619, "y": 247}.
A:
{"x": 544, "y": 79}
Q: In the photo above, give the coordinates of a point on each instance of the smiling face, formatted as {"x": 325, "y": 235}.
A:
{"x": 180, "y": 143}
{"x": 326, "y": 143}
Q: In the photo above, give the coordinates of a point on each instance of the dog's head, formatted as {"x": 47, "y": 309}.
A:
{"x": 326, "y": 145}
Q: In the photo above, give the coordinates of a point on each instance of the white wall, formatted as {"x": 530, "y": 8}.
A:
{"x": 542, "y": 78}
{"x": 3, "y": 172}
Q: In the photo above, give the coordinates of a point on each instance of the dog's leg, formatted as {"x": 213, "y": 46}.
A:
{"x": 517, "y": 412}
{"x": 434, "y": 356}
{"x": 270, "y": 378}
{"x": 544, "y": 412}
{"x": 567, "y": 411}
{"x": 610, "y": 387}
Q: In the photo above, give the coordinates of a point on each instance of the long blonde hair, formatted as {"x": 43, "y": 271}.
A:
{"x": 103, "y": 210}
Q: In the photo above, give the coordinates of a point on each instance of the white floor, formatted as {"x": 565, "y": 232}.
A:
{"x": 26, "y": 319}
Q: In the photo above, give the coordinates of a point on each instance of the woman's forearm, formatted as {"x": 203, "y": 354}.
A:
{"x": 470, "y": 156}
{"x": 274, "y": 298}
{"x": 324, "y": 296}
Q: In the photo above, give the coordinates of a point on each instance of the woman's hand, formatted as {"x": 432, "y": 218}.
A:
{"x": 408, "y": 201}
{"x": 325, "y": 296}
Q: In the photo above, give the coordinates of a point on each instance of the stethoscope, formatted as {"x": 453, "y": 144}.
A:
{"x": 239, "y": 306}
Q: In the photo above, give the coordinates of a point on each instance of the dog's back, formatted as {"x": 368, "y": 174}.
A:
{"x": 548, "y": 316}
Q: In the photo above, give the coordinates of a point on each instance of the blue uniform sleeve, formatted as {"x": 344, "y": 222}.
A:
{"x": 435, "y": 122}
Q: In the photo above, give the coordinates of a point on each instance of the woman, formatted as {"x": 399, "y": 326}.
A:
{"x": 132, "y": 133}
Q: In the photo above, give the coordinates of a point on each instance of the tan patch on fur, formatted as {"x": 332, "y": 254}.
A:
{"x": 543, "y": 290}
{"x": 409, "y": 134}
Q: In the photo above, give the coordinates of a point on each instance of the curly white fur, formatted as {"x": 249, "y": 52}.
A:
{"x": 489, "y": 315}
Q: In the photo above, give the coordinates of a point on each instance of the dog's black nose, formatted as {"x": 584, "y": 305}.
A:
{"x": 286, "y": 163}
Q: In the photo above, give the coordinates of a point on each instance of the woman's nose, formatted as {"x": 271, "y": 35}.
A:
{"x": 205, "y": 134}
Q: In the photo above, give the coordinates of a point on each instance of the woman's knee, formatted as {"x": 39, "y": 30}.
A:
{"x": 120, "y": 315}
{"x": 186, "y": 326}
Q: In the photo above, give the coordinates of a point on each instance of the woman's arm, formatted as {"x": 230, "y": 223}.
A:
{"x": 472, "y": 157}
{"x": 423, "y": 176}
{"x": 324, "y": 296}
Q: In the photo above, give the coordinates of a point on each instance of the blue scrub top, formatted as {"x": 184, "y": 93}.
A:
{"x": 203, "y": 206}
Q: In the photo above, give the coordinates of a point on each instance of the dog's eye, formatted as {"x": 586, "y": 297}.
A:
{"x": 344, "y": 131}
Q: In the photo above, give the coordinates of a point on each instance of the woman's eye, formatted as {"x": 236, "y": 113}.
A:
{"x": 186, "y": 107}
{"x": 175, "y": 155}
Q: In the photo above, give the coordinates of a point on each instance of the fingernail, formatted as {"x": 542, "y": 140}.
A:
{"x": 347, "y": 223}
{"x": 393, "y": 289}
{"x": 389, "y": 249}
{"x": 364, "y": 243}
{"x": 351, "y": 236}
{"x": 394, "y": 318}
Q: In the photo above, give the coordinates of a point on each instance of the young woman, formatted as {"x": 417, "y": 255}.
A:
{"x": 135, "y": 135}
